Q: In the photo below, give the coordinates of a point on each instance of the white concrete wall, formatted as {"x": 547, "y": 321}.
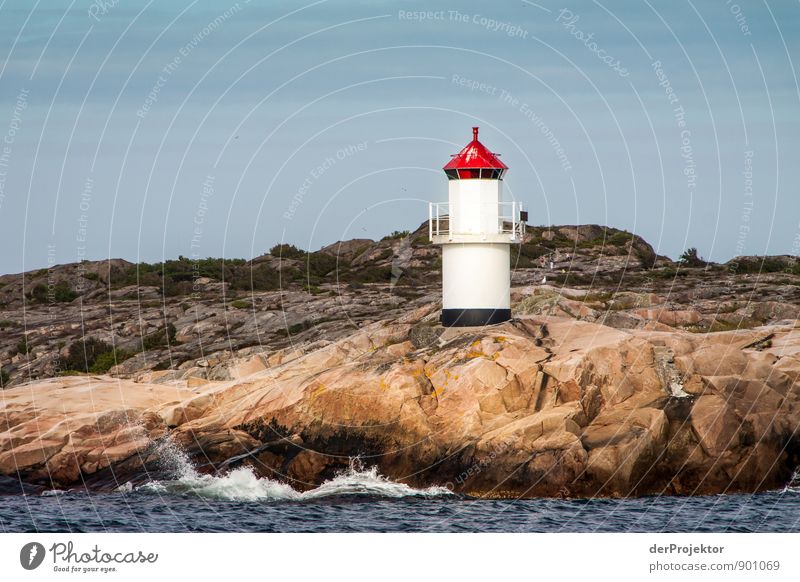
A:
{"x": 476, "y": 276}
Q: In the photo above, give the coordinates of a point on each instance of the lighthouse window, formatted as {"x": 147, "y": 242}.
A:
{"x": 469, "y": 174}
{"x": 475, "y": 174}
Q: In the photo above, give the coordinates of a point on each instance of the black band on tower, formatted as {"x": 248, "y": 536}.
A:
{"x": 474, "y": 317}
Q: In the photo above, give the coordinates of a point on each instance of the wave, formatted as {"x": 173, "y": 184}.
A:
{"x": 52, "y": 492}
{"x": 242, "y": 484}
{"x": 369, "y": 482}
{"x": 793, "y": 486}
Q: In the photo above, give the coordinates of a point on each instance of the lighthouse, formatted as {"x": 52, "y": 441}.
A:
{"x": 476, "y": 229}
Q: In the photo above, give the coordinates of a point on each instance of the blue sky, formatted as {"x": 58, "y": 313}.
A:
{"x": 148, "y": 130}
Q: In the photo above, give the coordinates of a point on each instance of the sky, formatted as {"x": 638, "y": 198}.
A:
{"x": 148, "y": 130}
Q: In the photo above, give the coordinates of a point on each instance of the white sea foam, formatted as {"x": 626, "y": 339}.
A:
{"x": 173, "y": 460}
{"x": 358, "y": 481}
{"x": 793, "y": 486}
{"x": 242, "y": 484}
{"x": 52, "y": 492}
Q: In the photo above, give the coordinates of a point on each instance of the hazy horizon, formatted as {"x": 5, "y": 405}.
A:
{"x": 204, "y": 129}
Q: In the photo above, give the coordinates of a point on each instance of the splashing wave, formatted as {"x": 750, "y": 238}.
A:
{"x": 242, "y": 484}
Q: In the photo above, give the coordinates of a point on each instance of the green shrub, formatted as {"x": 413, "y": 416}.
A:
{"x": 160, "y": 338}
{"x": 174, "y": 276}
{"x": 6, "y": 323}
{"x": 63, "y": 293}
{"x": 258, "y": 278}
{"x": 298, "y": 327}
{"x": 690, "y": 258}
{"x": 421, "y": 240}
{"x": 368, "y": 274}
{"x": 764, "y": 265}
{"x": 91, "y": 276}
{"x": 320, "y": 264}
{"x": 172, "y": 288}
{"x": 23, "y": 347}
{"x": 396, "y": 234}
{"x": 38, "y": 293}
{"x": 4, "y": 378}
{"x": 286, "y": 251}
{"x": 107, "y": 360}
{"x": 240, "y": 304}
{"x": 83, "y": 354}
{"x": 524, "y": 255}
{"x": 91, "y": 355}
{"x": 619, "y": 239}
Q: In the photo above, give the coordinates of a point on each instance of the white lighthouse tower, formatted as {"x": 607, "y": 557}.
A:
{"x": 476, "y": 230}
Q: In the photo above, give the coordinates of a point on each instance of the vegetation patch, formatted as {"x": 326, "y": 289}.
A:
{"x": 107, "y": 360}
{"x": 367, "y": 274}
{"x": 82, "y": 354}
{"x": 690, "y": 258}
{"x": 779, "y": 264}
{"x": 297, "y": 328}
{"x": 94, "y": 356}
{"x": 524, "y": 255}
{"x": 161, "y": 338}
{"x": 421, "y": 240}
{"x": 258, "y": 278}
{"x": 720, "y": 324}
{"x": 396, "y": 234}
{"x": 23, "y": 347}
{"x": 285, "y": 251}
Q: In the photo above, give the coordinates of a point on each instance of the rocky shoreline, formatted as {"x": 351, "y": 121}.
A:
{"x": 534, "y": 407}
{"x": 684, "y": 383}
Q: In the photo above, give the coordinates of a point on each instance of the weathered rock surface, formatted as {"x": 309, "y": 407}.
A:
{"x": 540, "y": 406}
{"x": 624, "y": 374}
{"x": 598, "y": 274}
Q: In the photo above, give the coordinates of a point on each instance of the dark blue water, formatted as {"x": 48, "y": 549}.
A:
{"x": 362, "y": 500}
{"x": 144, "y": 511}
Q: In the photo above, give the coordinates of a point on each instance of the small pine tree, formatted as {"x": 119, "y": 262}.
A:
{"x": 690, "y": 258}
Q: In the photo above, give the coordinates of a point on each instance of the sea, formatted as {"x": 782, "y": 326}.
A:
{"x": 361, "y": 500}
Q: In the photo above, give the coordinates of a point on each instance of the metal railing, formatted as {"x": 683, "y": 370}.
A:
{"x": 508, "y": 220}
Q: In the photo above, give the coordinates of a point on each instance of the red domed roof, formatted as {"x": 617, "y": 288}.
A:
{"x": 475, "y": 156}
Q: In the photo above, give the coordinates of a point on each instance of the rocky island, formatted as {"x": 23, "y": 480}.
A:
{"x": 624, "y": 374}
